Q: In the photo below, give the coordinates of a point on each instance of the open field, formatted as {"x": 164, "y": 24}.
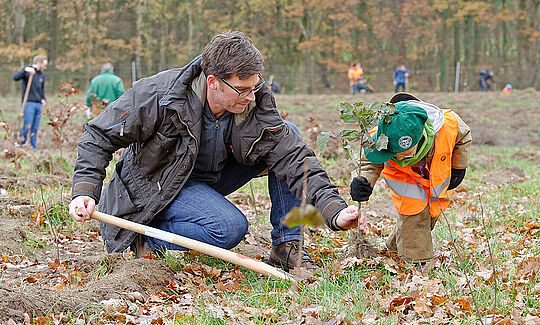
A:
{"x": 53, "y": 270}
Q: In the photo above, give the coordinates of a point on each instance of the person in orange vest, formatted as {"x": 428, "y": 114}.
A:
{"x": 425, "y": 159}
{"x": 354, "y": 74}
{"x": 507, "y": 88}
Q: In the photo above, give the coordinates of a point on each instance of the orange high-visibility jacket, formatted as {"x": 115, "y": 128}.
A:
{"x": 354, "y": 74}
{"x": 410, "y": 192}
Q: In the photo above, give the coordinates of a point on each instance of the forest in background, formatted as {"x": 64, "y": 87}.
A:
{"x": 308, "y": 45}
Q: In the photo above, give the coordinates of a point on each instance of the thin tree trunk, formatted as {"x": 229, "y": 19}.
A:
{"x": 442, "y": 53}
{"x": 522, "y": 38}
{"x": 53, "y": 42}
{"x": 163, "y": 46}
{"x": 189, "y": 12}
{"x": 504, "y": 34}
{"x": 89, "y": 37}
{"x": 138, "y": 36}
{"x": 19, "y": 21}
{"x": 476, "y": 43}
{"x": 457, "y": 45}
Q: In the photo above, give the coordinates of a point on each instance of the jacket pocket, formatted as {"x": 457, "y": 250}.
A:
{"x": 117, "y": 200}
{"x": 157, "y": 153}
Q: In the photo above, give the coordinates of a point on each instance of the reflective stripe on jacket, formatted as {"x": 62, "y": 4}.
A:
{"x": 410, "y": 192}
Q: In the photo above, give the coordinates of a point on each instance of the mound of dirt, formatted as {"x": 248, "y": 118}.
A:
{"x": 504, "y": 175}
{"x": 485, "y": 161}
{"x": 361, "y": 247}
{"x": 125, "y": 276}
{"x": 485, "y": 133}
{"x": 527, "y": 155}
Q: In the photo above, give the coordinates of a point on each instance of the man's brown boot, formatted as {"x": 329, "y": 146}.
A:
{"x": 285, "y": 256}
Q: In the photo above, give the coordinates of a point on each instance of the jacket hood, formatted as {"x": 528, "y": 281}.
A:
{"x": 177, "y": 82}
{"x": 435, "y": 114}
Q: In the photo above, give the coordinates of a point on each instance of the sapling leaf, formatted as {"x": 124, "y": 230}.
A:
{"x": 346, "y": 112}
{"x": 350, "y": 134}
{"x": 322, "y": 139}
{"x": 377, "y": 106}
{"x": 391, "y": 108}
{"x": 367, "y": 141}
{"x": 365, "y": 115}
{"x": 382, "y": 142}
{"x": 347, "y": 148}
{"x": 304, "y": 215}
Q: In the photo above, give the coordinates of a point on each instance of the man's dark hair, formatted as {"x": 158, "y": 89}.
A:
{"x": 231, "y": 53}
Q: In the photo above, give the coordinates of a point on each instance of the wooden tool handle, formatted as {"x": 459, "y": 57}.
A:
{"x": 226, "y": 255}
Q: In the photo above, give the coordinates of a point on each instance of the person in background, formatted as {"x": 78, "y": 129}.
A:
{"x": 485, "y": 78}
{"x": 274, "y": 86}
{"x": 36, "y": 97}
{"x": 425, "y": 159}
{"x": 107, "y": 86}
{"x": 507, "y": 88}
{"x": 401, "y": 76}
{"x": 193, "y": 135}
{"x": 354, "y": 74}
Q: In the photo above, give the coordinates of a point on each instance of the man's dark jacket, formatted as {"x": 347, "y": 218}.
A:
{"x": 37, "y": 88}
{"x": 158, "y": 121}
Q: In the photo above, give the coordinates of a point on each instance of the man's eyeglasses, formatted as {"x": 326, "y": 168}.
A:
{"x": 245, "y": 93}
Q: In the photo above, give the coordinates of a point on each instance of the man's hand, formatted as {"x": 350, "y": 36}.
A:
{"x": 43, "y": 102}
{"x": 30, "y": 70}
{"x": 360, "y": 189}
{"x": 349, "y": 218}
{"x": 81, "y": 208}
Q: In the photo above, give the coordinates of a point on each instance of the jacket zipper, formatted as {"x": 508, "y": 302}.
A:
{"x": 122, "y": 128}
{"x": 122, "y": 125}
{"x": 196, "y": 145}
{"x": 213, "y": 158}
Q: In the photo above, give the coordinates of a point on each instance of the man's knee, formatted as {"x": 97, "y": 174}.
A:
{"x": 230, "y": 233}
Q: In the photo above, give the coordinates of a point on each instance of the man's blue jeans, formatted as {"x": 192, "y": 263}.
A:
{"x": 31, "y": 118}
{"x": 399, "y": 84}
{"x": 201, "y": 211}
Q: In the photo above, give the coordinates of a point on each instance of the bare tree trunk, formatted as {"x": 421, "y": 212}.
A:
{"x": 89, "y": 37}
{"x": 53, "y": 41}
{"x": 307, "y": 58}
{"x": 442, "y": 53}
{"x": 189, "y": 12}
{"x": 19, "y": 21}
{"x": 504, "y": 34}
{"x": 457, "y": 45}
{"x": 522, "y": 38}
{"x": 139, "y": 37}
{"x": 163, "y": 32}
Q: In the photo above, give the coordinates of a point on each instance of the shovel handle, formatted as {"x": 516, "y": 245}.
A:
{"x": 218, "y": 252}
{"x": 28, "y": 85}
